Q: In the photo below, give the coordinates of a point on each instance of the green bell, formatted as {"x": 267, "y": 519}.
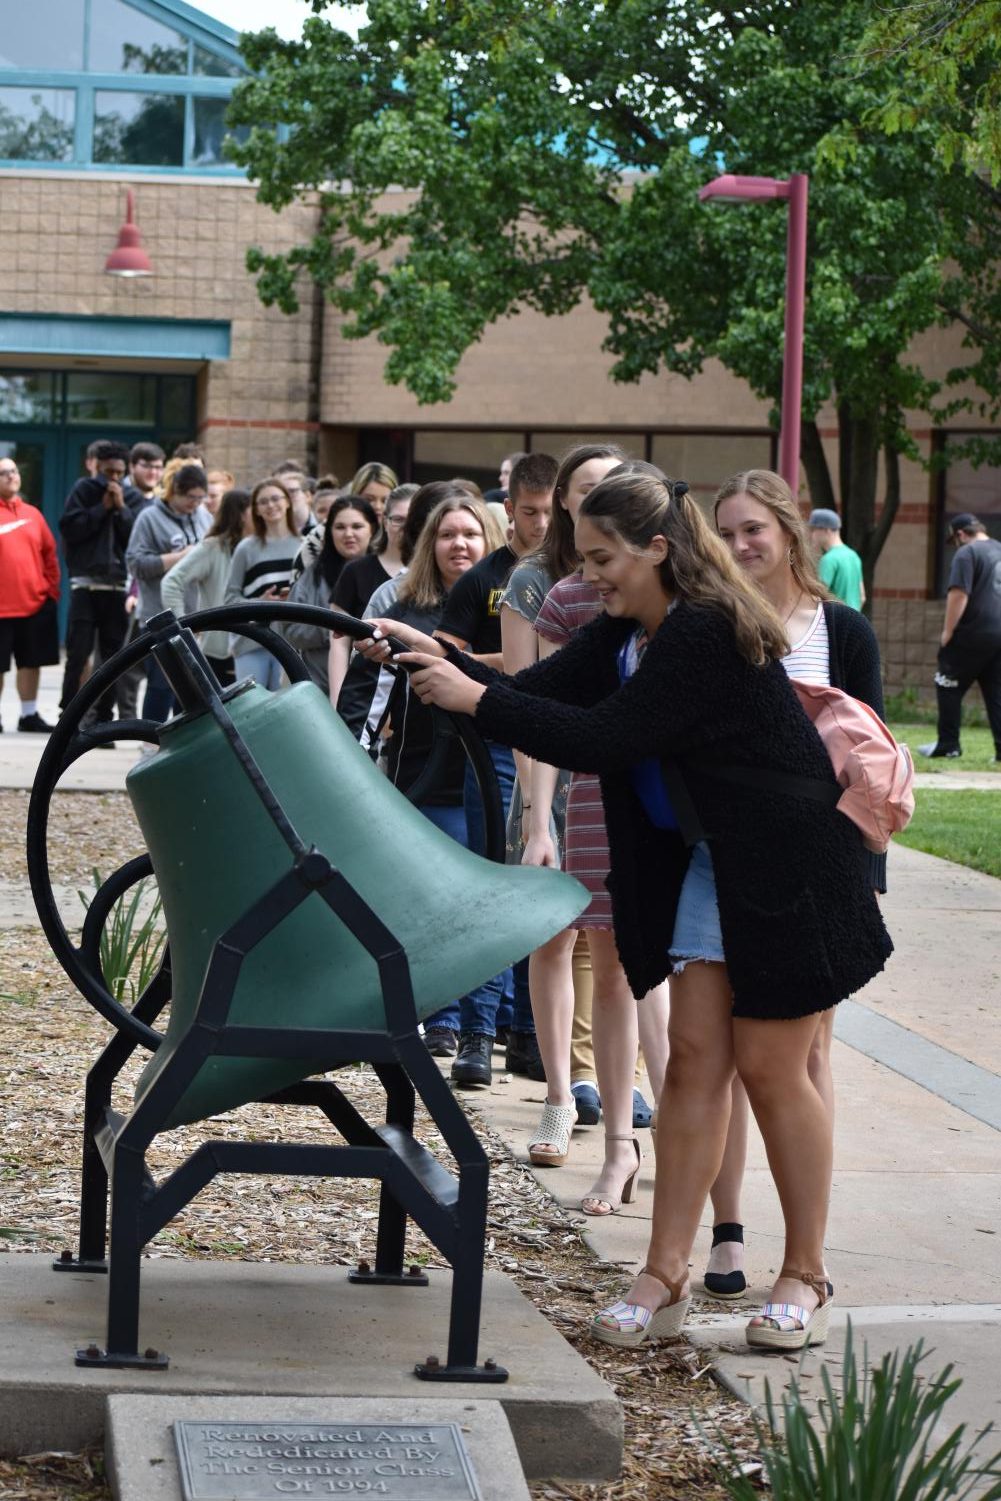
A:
{"x": 216, "y": 851}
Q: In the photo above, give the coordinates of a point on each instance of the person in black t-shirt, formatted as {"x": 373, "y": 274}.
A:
{"x": 471, "y": 621}
{"x": 971, "y": 635}
{"x": 472, "y": 616}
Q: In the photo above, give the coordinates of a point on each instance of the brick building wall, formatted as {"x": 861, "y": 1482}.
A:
{"x": 254, "y": 408}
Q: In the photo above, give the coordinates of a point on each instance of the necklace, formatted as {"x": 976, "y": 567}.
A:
{"x": 787, "y": 617}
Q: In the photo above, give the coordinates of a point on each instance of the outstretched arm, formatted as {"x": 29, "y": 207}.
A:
{"x": 662, "y": 710}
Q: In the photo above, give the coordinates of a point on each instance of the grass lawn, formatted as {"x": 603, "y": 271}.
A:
{"x": 961, "y": 826}
{"x": 978, "y": 748}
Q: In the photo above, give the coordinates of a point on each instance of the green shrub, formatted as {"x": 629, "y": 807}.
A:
{"x": 874, "y": 1442}
{"x": 131, "y": 945}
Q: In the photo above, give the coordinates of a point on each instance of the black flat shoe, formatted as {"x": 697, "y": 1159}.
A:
{"x": 727, "y": 1286}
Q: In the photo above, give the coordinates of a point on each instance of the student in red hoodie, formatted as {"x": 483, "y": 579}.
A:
{"x": 29, "y": 588}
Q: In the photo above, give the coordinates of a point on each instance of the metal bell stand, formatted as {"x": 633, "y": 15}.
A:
{"x": 449, "y": 1208}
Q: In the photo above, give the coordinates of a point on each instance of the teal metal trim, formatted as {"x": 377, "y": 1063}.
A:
{"x": 121, "y": 83}
{"x": 122, "y": 169}
{"x": 183, "y": 17}
{"x": 83, "y": 135}
{"x": 132, "y": 338}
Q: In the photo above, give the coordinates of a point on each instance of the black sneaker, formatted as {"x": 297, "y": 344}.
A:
{"x": 440, "y": 1042}
{"x": 522, "y": 1056}
{"x": 934, "y": 753}
{"x": 472, "y": 1064}
{"x": 34, "y": 724}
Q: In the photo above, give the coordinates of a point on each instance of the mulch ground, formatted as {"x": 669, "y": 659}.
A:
{"x": 48, "y": 1037}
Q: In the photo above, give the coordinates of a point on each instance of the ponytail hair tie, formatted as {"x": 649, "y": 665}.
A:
{"x": 678, "y": 489}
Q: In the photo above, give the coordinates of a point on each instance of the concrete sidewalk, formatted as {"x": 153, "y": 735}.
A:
{"x": 914, "y": 1244}
{"x": 98, "y": 771}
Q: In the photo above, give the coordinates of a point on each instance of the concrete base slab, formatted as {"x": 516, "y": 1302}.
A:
{"x": 291, "y": 1331}
{"x": 142, "y": 1454}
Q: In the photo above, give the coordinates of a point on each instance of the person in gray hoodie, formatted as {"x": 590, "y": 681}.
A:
{"x": 162, "y": 535}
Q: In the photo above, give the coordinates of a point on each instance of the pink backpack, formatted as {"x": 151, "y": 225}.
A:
{"x": 876, "y": 773}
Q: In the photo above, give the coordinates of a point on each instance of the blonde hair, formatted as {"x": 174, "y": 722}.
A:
{"x": 422, "y": 585}
{"x": 373, "y": 474}
{"x": 637, "y": 502}
{"x": 171, "y": 470}
{"x": 771, "y": 491}
{"x": 221, "y": 477}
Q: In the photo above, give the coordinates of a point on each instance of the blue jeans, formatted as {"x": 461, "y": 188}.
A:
{"x": 260, "y": 665}
{"x": 484, "y": 1009}
{"x": 451, "y": 821}
{"x": 159, "y": 700}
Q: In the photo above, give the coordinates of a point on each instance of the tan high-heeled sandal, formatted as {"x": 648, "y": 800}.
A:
{"x": 790, "y": 1326}
{"x": 630, "y": 1324}
{"x": 628, "y": 1194}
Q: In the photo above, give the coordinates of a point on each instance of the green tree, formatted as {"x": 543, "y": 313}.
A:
{"x": 554, "y": 150}
{"x": 947, "y": 54}
{"x": 944, "y": 63}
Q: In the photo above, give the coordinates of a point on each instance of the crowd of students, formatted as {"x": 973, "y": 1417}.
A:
{"x": 142, "y": 533}
{"x": 621, "y": 653}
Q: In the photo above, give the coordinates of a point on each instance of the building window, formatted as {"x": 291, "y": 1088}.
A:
{"x": 28, "y": 399}
{"x": 92, "y": 44}
{"x": 139, "y": 130}
{"x": 212, "y": 65}
{"x": 211, "y": 132}
{"x": 704, "y": 460}
{"x": 47, "y": 36}
{"x": 127, "y": 400}
{"x": 36, "y": 125}
{"x": 124, "y": 40}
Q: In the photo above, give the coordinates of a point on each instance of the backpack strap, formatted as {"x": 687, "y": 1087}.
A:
{"x": 689, "y": 822}
{"x": 768, "y": 780}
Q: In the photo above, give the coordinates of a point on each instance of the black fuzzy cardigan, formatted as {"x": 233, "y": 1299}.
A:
{"x": 801, "y": 926}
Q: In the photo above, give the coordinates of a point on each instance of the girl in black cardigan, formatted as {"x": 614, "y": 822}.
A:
{"x": 800, "y": 927}
{"x": 759, "y": 520}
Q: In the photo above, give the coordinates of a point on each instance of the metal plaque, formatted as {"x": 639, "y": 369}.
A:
{"x": 264, "y": 1461}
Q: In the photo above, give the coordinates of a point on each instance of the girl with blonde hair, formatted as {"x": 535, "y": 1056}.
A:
{"x": 758, "y": 518}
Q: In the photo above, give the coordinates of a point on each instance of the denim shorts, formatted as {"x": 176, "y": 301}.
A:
{"x": 696, "y": 925}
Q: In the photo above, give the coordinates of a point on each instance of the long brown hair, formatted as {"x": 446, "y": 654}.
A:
{"x": 557, "y": 552}
{"x": 422, "y": 585}
{"x": 637, "y": 502}
{"x": 771, "y": 491}
{"x": 228, "y": 523}
{"x": 271, "y": 483}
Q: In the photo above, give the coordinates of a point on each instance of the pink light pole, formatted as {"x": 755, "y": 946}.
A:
{"x": 732, "y": 189}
